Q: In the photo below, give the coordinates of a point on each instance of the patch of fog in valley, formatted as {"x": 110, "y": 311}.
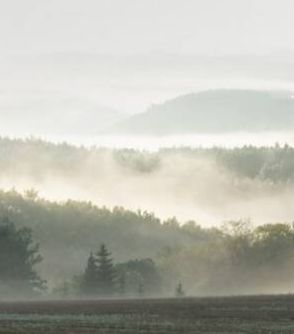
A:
{"x": 189, "y": 187}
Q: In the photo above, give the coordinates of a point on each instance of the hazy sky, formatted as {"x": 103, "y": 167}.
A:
{"x": 129, "y": 54}
{"x": 143, "y": 26}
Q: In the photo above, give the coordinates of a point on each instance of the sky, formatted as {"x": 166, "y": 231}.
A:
{"x": 146, "y": 26}
{"x": 129, "y": 54}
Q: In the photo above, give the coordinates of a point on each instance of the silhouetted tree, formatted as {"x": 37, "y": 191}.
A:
{"x": 141, "y": 275}
{"x": 106, "y": 273}
{"x": 18, "y": 257}
{"x": 90, "y": 278}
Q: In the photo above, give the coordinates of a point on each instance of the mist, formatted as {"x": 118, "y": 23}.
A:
{"x": 156, "y": 136}
{"x": 172, "y": 182}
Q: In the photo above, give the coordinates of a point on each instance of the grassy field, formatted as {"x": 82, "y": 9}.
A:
{"x": 262, "y": 314}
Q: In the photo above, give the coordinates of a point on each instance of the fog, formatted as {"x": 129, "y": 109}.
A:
{"x": 155, "y": 143}
{"x": 209, "y": 205}
{"x": 173, "y": 183}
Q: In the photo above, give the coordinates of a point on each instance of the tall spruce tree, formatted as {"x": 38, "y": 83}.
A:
{"x": 106, "y": 273}
{"x": 90, "y": 278}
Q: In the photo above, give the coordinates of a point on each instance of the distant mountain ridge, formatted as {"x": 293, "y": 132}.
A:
{"x": 214, "y": 111}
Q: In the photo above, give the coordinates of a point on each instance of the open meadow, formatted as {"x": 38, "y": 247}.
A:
{"x": 260, "y": 314}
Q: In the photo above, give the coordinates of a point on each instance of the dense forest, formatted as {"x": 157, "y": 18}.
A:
{"x": 70, "y": 230}
{"x": 72, "y": 200}
{"x": 148, "y": 256}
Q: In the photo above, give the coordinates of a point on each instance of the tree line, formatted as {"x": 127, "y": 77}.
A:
{"x": 19, "y": 256}
{"x": 243, "y": 259}
{"x": 274, "y": 164}
{"x": 105, "y": 279}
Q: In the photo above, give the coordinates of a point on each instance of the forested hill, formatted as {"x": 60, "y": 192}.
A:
{"x": 231, "y": 259}
{"x": 68, "y": 231}
{"x": 238, "y": 181}
{"x": 213, "y": 112}
{"x": 41, "y": 160}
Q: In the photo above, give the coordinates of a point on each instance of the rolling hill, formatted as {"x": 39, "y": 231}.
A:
{"x": 215, "y": 111}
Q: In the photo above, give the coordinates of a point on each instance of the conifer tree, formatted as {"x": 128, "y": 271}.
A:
{"x": 90, "y": 278}
{"x": 106, "y": 273}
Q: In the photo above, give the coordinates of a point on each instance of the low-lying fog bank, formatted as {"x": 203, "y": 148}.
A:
{"x": 207, "y": 185}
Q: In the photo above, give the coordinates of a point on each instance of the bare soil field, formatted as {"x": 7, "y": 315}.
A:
{"x": 254, "y": 314}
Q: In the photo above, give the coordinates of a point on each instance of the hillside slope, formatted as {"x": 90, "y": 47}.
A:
{"x": 213, "y": 112}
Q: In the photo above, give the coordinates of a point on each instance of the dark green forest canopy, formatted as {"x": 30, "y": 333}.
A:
{"x": 39, "y": 158}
